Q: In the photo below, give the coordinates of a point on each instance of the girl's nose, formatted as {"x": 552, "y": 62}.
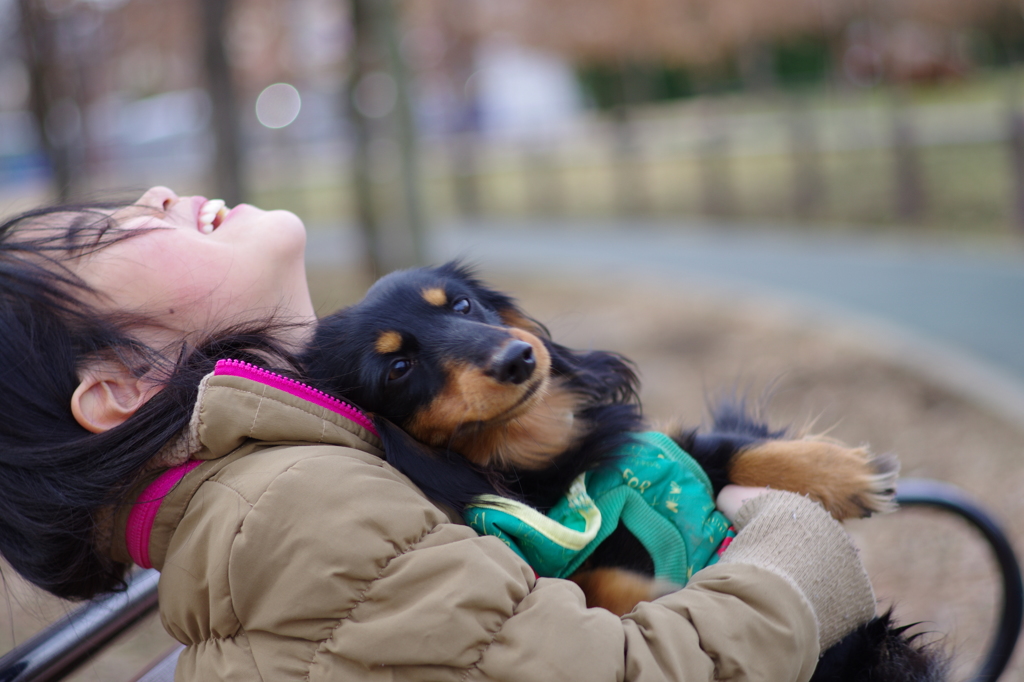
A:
{"x": 161, "y": 198}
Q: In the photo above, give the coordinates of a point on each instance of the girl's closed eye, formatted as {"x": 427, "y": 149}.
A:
{"x": 196, "y": 264}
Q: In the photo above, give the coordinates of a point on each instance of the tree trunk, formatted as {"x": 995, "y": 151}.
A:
{"x": 756, "y": 65}
{"x": 808, "y": 175}
{"x": 390, "y": 212}
{"x": 459, "y": 64}
{"x": 910, "y": 194}
{"x": 227, "y": 133}
{"x": 362, "y": 187}
{"x": 52, "y": 100}
{"x": 631, "y": 181}
{"x": 718, "y": 193}
{"x": 1016, "y": 143}
{"x": 408, "y": 140}
{"x": 465, "y": 158}
{"x": 544, "y": 190}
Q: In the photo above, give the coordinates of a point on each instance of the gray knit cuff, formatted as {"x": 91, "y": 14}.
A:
{"x": 796, "y": 538}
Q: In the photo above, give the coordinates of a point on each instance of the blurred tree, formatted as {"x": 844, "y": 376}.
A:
{"x": 1015, "y": 121}
{"x": 630, "y": 180}
{"x": 456, "y": 22}
{"x": 1007, "y": 30}
{"x": 389, "y": 204}
{"x": 808, "y": 173}
{"x": 787, "y": 40}
{"x": 408, "y": 140}
{"x": 365, "y": 55}
{"x": 54, "y": 99}
{"x": 679, "y": 31}
{"x": 715, "y": 168}
{"x": 803, "y": 60}
{"x": 909, "y": 178}
{"x": 227, "y": 131}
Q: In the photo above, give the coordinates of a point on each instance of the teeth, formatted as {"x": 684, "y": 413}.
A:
{"x": 211, "y": 215}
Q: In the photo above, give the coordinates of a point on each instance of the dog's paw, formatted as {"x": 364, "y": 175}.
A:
{"x": 879, "y": 495}
{"x": 619, "y": 590}
{"x": 862, "y": 483}
{"x": 848, "y": 482}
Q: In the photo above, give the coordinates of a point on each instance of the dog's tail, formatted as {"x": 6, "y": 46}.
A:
{"x": 881, "y": 651}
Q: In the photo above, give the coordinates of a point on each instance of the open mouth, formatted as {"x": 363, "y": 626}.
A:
{"x": 211, "y": 215}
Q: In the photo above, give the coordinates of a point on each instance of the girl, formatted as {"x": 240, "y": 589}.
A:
{"x": 153, "y": 414}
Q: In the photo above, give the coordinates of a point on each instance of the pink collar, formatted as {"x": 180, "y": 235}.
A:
{"x": 143, "y": 513}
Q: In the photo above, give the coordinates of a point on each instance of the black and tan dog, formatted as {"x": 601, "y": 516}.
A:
{"x": 471, "y": 396}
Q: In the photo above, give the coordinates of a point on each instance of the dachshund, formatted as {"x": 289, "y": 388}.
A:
{"x": 472, "y": 398}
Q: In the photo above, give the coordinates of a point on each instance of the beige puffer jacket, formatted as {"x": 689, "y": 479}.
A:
{"x": 295, "y": 552}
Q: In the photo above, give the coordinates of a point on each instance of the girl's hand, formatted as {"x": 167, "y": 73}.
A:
{"x": 732, "y": 497}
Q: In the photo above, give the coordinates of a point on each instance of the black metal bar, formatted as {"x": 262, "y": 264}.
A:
{"x": 927, "y": 493}
{"x": 60, "y": 648}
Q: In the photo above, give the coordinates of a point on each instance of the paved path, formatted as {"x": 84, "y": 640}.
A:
{"x": 954, "y": 312}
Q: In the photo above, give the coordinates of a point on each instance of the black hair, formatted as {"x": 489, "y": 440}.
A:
{"x": 55, "y": 476}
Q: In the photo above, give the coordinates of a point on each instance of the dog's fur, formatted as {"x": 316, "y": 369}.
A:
{"x": 471, "y": 396}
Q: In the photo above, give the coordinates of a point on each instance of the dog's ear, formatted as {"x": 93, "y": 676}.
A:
{"x": 325, "y": 348}
{"x": 444, "y": 476}
{"x": 508, "y": 310}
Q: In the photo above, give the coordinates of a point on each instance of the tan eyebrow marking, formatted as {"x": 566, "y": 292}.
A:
{"x": 435, "y": 296}
{"x": 388, "y": 342}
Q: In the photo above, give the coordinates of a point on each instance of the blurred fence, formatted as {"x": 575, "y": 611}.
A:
{"x": 865, "y": 161}
{"x": 824, "y": 160}
{"x": 870, "y": 160}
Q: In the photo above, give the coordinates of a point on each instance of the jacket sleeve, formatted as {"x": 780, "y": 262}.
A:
{"x": 342, "y": 570}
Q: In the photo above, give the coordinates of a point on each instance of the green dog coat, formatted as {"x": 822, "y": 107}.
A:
{"x": 653, "y": 487}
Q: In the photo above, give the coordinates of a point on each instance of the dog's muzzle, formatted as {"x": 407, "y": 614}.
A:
{"x": 513, "y": 364}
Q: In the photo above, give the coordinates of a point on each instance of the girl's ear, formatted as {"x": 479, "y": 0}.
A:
{"x": 107, "y": 395}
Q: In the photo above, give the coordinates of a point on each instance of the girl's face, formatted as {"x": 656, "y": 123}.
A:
{"x": 190, "y": 275}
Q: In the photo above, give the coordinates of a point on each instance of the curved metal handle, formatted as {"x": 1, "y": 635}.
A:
{"x": 927, "y": 493}
{"x": 61, "y": 647}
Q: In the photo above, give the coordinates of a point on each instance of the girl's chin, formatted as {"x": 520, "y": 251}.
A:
{"x": 286, "y": 224}
{"x": 278, "y": 235}
{"x": 287, "y": 219}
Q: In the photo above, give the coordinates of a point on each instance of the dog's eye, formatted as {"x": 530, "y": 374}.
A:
{"x": 399, "y": 368}
{"x": 461, "y": 305}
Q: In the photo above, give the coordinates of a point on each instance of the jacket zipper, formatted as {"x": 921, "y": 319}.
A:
{"x": 246, "y": 370}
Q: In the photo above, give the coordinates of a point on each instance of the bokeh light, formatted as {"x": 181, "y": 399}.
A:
{"x": 278, "y": 105}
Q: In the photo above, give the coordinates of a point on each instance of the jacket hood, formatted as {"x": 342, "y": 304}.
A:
{"x": 240, "y": 408}
{"x": 239, "y": 402}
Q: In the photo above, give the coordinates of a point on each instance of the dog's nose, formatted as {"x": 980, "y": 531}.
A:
{"x": 514, "y": 363}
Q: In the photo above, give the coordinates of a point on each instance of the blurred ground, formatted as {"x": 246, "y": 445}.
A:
{"x": 688, "y": 345}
